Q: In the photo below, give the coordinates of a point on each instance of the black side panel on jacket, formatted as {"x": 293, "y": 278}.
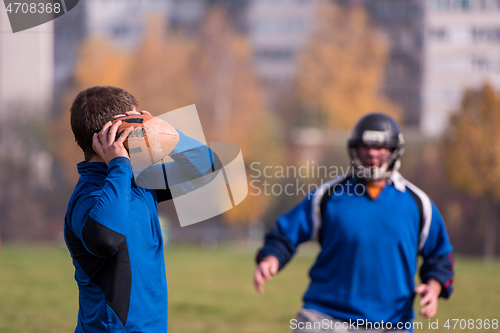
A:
{"x": 112, "y": 274}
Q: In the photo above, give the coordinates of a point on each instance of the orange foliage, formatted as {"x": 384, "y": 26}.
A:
{"x": 158, "y": 75}
{"x": 472, "y": 149}
{"x": 101, "y": 64}
{"x": 341, "y": 68}
{"x": 472, "y": 155}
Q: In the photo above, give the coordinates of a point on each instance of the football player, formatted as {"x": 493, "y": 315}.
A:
{"x": 363, "y": 278}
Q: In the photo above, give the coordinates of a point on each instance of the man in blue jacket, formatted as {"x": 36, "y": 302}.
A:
{"x": 111, "y": 226}
{"x": 371, "y": 227}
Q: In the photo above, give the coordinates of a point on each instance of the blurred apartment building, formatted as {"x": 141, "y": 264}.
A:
{"x": 26, "y": 68}
{"x": 278, "y": 29}
{"x": 69, "y": 31}
{"x": 26, "y": 85}
{"x": 401, "y": 21}
{"x": 461, "y": 50}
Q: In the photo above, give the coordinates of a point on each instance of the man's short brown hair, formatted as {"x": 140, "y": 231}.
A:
{"x": 93, "y": 108}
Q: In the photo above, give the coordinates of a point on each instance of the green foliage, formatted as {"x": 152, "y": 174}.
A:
{"x": 209, "y": 291}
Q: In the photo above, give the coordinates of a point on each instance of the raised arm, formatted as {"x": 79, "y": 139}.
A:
{"x": 193, "y": 163}
{"x": 194, "y": 166}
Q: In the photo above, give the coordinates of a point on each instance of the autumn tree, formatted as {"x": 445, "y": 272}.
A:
{"x": 341, "y": 68}
{"x": 231, "y": 100}
{"x": 101, "y": 63}
{"x": 158, "y": 75}
{"x": 472, "y": 153}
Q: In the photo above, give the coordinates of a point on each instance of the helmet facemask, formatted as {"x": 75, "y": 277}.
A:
{"x": 392, "y": 164}
{"x": 376, "y": 130}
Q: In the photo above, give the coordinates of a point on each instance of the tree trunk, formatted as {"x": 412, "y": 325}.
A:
{"x": 490, "y": 232}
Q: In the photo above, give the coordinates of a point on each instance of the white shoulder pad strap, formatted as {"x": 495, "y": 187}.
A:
{"x": 398, "y": 181}
{"x": 426, "y": 211}
{"x": 316, "y": 203}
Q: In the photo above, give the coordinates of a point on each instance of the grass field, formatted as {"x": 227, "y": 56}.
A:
{"x": 209, "y": 291}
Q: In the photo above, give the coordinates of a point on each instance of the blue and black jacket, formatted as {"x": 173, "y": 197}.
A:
{"x": 369, "y": 248}
{"x": 113, "y": 233}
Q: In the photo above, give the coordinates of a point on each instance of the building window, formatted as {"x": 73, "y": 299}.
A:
{"x": 485, "y": 5}
{"x": 462, "y": 5}
{"x": 281, "y": 26}
{"x": 277, "y": 2}
{"x": 480, "y": 64}
{"x": 440, "y": 5}
{"x": 119, "y": 31}
{"x": 481, "y": 35}
{"x": 438, "y": 34}
{"x": 484, "y": 65}
{"x": 274, "y": 54}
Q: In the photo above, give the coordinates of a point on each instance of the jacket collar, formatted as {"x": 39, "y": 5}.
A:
{"x": 92, "y": 169}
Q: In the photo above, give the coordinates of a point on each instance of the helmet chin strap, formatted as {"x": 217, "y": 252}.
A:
{"x": 376, "y": 173}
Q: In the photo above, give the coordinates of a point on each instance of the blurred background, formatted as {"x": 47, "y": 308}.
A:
{"x": 283, "y": 79}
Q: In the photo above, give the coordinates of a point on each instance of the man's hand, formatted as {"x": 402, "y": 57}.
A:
{"x": 264, "y": 272}
{"x": 430, "y": 293}
{"x": 105, "y": 144}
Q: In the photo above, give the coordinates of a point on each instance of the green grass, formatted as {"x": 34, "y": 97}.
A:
{"x": 37, "y": 290}
{"x": 209, "y": 291}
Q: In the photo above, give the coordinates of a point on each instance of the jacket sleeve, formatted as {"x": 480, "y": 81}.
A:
{"x": 194, "y": 166}
{"x": 192, "y": 159}
{"x": 290, "y": 230}
{"x": 100, "y": 219}
{"x": 438, "y": 255}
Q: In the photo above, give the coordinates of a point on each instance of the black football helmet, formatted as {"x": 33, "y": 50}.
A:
{"x": 381, "y": 131}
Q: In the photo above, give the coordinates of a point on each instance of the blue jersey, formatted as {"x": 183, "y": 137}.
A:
{"x": 113, "y": 233}
{"x": 369, "y": 248}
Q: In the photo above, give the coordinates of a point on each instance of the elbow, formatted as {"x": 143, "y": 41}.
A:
{"x": 208, "y": 161}
{"x": 207, "y": 170}
{"x": 101, "y": 240}
{"x": 440, "y": 269}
